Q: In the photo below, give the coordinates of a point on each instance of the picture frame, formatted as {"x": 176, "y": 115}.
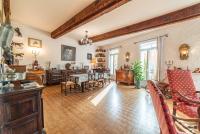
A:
{"x": 32, "y": 42}
{"x": 89, "y": 56}
{"x": 68, "y": 53}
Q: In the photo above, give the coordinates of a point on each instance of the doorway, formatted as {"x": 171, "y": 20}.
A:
{"x": 149, "y": 59}
{"x": 113, "y": 60}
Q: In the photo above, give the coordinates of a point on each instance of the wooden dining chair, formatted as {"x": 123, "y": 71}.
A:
{"x": 101, "y": 79}
{"x": 68, "y": 84}
{"x": 91, "y": 80}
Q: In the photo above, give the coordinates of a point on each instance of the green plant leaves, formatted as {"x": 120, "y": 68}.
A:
{"x": 137, "y": 70}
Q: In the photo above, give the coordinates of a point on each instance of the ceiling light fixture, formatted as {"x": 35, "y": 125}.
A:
{"x": 86, "y": 40}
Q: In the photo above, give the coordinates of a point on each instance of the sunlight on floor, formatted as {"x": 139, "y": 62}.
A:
{"x": 95, "y": 101}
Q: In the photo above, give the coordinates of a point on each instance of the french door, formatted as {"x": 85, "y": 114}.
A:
{"x": 113, "y": 64}
{"x": 149, "y": 59}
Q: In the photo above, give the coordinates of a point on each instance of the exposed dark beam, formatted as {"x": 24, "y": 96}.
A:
{"x": 93, "y": 11}
{"x": 6, "y": 8}
{"x": 177, "y": 16}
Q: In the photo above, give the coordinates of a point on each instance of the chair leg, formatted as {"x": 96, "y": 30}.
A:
{"x": 93, "y": 85}
{"x": 198, "y": 110}
{"x": 65, "y": 89}
{"x": 61, "y": 88}
{"x": 174, "y": 109}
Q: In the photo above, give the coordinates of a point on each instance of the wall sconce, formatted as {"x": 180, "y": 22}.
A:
{"x": 127, "y": 55}
{"x": 184, "y": 51}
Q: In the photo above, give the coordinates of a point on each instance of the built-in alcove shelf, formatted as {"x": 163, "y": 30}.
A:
{"x": 100, "y": 58}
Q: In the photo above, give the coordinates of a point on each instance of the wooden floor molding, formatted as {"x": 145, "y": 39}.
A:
{"x": 123, "y": 110}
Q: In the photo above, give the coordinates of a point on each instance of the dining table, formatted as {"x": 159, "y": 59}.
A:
{"x": 81, "y": 79}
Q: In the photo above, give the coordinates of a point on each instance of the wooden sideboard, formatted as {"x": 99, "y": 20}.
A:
{"x": 125, "y": 76}
{"x": 18, "y": 68}
{"x": 21, "y": 111}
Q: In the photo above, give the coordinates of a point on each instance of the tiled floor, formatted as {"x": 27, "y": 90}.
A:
{"x": 111, "y": 110}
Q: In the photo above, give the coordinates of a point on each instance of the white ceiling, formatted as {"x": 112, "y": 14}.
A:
{"x": 47, "y": 15}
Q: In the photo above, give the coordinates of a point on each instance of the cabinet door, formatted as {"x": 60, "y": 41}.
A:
{"x": 22, "y": 113}
{"x": 29, "y": 126}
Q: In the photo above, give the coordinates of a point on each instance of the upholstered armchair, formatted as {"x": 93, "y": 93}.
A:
{"x": 165, "y": 120}
{"x": 184, "y": 94}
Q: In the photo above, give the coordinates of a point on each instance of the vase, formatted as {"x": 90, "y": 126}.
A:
{"x": 138, "y": 86}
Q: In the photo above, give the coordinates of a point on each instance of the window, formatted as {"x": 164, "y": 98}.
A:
{"x": 113, "y": 60}
{"x": 149, "y": 59}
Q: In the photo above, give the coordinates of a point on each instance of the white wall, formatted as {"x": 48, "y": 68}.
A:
{"x": 179, "y": 33}
{"x": 51, "y": 49}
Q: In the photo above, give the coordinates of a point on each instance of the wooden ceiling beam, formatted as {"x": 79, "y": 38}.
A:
{"x": 6, "y": 8}
{"x": 93, "y": 11}
{"x": 177, "y": 16}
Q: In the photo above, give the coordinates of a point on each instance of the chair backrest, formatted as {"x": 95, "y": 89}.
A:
{"x": 181, "y": 81}
{"x": 100, "y": 75}
{"x": 164, "y": 118}
{"x": 91, "y": 76}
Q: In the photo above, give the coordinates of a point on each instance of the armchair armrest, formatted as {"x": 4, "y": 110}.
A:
{"x": 187, "y": 99}
{"x": 198, "y": 92}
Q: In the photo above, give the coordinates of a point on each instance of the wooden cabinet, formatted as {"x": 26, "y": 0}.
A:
{"x": 125, "y": 76}
{"x": 21, "y": 111}
{"x": 53, "y": 77}
{"x": 18, "y": 68}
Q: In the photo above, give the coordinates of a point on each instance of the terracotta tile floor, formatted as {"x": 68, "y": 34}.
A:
{"x": 111, "y": 110}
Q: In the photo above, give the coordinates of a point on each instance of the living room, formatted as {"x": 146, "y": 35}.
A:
{"x": 99, "y": 67}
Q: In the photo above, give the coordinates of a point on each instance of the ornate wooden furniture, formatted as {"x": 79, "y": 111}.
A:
{"x": 21, "y": 111}
{"x": 37, "y": 76}
{"x": 166, "y": 123}
{"x": 53, "y": 77}
{"x": 18, "y": 68}
{"x": 125, "y": 76}
{"x": 184, "y": 94}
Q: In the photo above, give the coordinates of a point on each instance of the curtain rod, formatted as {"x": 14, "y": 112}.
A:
{"x": 165, "y": 35}
{"x": 115, "y": 47}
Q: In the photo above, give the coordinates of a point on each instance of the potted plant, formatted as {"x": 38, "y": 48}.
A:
{"x": 137, "y": 71}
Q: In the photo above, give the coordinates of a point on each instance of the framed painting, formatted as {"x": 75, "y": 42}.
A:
{"x": 89, "y": 56}
{"x": 68, "y": 53}
{"x": 34, "y": 43}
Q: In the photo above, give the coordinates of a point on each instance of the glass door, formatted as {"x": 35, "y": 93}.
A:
{"x": 152, "y": 65}
{"x": 113, "y": 63}
{"x": 149, "y": 59}
{"x": 113, "y": 60}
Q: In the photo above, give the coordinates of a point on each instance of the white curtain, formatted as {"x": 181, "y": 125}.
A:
{"x": 161, "y": 60}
